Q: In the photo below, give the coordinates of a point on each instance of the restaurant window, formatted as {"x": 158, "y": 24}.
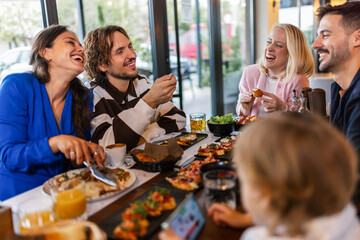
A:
{"x": 20, "y": 21}
{"x": 67, "y": 14}
{"x": 192, "y": 17}
{"x": 233, "y": 26}
{"x": 300, "y": 14}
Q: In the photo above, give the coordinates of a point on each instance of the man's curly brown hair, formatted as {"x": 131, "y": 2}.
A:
{"x": 98, "y": 44}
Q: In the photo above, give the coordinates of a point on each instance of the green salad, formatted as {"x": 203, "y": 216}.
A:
{"x": 222, "y": 119}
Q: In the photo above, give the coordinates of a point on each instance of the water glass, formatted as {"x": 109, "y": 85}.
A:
{"x": 34, "y": 213}
{"x": 198, "y": 122}
{"x": 220, "y": 187}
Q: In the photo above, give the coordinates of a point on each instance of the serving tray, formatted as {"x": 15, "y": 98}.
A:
{"x": 110, "y": 223}
{"x": 199, "y": 137}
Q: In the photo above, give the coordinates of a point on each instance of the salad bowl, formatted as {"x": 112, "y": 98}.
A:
{"x": 221, "y": 125}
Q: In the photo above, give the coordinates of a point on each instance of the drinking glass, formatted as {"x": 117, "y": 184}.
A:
{"x": 34, "y": 213}
{"x": 70, "y": 204}
{"x": 220, "y": 187}
{"x": 197, "y": 122}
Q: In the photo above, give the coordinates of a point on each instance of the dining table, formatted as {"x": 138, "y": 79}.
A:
{"x": 99, "y": 211}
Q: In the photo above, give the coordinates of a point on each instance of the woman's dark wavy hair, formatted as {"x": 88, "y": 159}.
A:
{"x": 80, "y": 111}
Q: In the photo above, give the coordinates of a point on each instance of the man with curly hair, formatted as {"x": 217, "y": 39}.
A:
{"x": 128, "y": 108}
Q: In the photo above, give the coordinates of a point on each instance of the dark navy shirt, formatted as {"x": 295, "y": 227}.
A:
{"x": 345, "y": 114}
{"x": 345, "y": 110}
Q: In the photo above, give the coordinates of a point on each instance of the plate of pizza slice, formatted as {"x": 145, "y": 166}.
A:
{"x": 188, "y": 139}
{"x": 95, "y": 190}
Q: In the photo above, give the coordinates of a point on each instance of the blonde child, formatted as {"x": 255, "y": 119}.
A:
{"x": 297, "y": 178}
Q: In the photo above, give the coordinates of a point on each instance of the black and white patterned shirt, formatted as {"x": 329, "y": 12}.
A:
{"x": 123, "y": 117}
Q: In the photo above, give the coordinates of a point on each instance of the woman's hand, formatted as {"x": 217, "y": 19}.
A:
{"x": 272, "y": 103}
{"x": 77, "y": 149}
{"x": 226, "y": 216}
{"x": 247, "y": 101}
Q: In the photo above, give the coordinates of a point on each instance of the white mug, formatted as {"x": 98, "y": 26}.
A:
{"x": 115, "y": 154}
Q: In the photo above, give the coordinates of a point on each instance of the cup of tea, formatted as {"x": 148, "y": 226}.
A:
{"x": 115, "y": 154}
{"x": 34, "y": 213}
{"x": 198, "y": 122}
{"x": 220, "y": 187}
{"x": 70, "y": 204}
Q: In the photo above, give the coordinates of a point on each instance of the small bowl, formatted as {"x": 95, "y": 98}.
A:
{"x": 220, "y": 129}
{"x": 160, "y": 166}
{"x": 238, "y": 126}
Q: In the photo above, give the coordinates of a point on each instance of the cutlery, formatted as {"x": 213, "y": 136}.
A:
{"x": 171, "y": 135}
{"x": 98, "y": 175}
{"x": 160, "y": 141}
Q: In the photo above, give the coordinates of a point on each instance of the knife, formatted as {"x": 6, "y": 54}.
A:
{"x": 160, "y": 141}
{"x": 171, "y": 135}
{"x": 98, "y": 175}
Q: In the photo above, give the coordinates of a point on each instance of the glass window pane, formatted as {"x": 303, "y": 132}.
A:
{"x": 233, "y": 24}
{"x": 20, "y": 21}
{"x": 307, "y": 22}
{"x": 289, "y": 12}
{"x": 195, "y": 71}
{"x": 67, "y": 14}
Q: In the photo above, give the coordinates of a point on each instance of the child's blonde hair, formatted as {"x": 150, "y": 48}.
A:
{"x": 306, "y": 167}
{"x": 300, "y": 60}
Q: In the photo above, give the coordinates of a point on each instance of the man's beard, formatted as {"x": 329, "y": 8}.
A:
{"x": 123, "y": 76}
{"x": 341, "y": 54}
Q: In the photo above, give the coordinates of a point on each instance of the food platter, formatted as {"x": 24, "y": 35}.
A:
{"x": 132, "y": 179}
{"x": 226, "y": 154}
{"x": 193, "y": 182}
{"x": 109, "y": 224}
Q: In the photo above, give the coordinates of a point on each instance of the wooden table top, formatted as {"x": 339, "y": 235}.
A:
{"x": 209, "y": 231}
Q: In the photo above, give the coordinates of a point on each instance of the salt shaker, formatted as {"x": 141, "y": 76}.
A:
{"x": 303, "y": 103}
{"x": 294, "y": 102}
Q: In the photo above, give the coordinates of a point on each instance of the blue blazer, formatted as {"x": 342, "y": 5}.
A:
{"x": 26, "y": 123}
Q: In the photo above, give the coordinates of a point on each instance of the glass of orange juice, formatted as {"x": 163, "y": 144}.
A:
{"x": 71, "y": 204}
{"x": 34, "y": 213}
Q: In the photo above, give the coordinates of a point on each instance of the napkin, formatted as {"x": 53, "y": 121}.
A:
{"x": 170, "y": 151}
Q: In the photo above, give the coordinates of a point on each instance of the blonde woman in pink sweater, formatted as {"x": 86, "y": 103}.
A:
{"x": 286, "y": 64}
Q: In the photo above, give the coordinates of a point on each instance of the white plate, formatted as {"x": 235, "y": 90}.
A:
{"x": 46, "y": 186}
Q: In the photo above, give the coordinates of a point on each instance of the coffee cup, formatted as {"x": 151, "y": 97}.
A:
{"x": 115, "y": 154}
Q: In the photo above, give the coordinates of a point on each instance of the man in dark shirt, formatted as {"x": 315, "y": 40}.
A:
{"x": 338, "y": 46}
